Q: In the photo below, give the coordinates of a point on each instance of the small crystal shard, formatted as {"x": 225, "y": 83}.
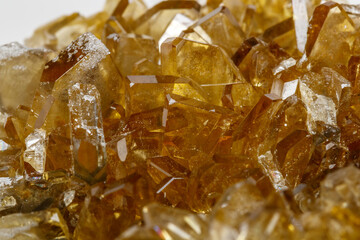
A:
{"x": 35, "y": 153}
{"x": 301, "y": 23}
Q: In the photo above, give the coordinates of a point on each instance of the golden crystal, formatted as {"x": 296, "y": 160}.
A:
{"x": 218, "y": 119}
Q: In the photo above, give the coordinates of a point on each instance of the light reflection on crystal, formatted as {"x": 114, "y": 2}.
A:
{"x": 248, "y": 127}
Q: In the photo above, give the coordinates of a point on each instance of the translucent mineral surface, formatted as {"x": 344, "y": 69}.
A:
{"x": 184, "y": 120}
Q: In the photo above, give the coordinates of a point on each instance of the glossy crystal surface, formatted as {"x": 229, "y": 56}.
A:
{"x": 179, "y": 120}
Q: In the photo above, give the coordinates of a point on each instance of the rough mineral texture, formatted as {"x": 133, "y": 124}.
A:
{"x": 184, "y": 120}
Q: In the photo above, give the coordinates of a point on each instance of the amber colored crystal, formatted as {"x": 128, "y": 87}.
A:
{"x": 155, "y": 20}
{"x": 257, "y": 64}
{"x": 59, "y": 33}
{"x": 47, "y": 224}
{"x": 19, "y": 66}
{"x": 187, "y": 58}
{"x": 35, "y": 153}
{"x": 155, "y": 89}
{"x": 322, "y": 108}
{"x": 105, "y": 214}
{"x": 183, "y": 225}
{"x": 353, "y": 73}
{"x": 337, "y": 50}
{"x": 184, "y": 119}
{"x": 71, "y": 66}
{"x": 88, "y": 143}
{"x": 233, "y": 207}
{"x": 55, "y": 104}
{"x": 129, "y": 49}
{"x": 227, "y": 35}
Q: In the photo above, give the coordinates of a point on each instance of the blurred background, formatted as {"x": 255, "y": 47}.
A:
{"x": 19, "y": 18}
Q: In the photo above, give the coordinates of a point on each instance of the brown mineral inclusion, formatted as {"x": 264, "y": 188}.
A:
{"x": 184, "y": 120}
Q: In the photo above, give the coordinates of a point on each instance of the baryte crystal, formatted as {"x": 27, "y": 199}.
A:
{"x": 205, "y": 185}
{"x": 19, "y": 66}
{"x": 186, "y": 58}
{"x": 139, "y": 233}
{"x": 126, "y": 12}
{"x": 106, "y": 212}
{"x": 88, "y": 141}
{"x": 128, "y": 49}
{"x": 110, "y": 6}
{"x": 183, "y": 224}
{"x": 149, "y": 92}
{"x": 35, "y": 153}
{"x": 282, "y": 35}
{"x": 178, "y": 24}
{"x": 46, "y": 36}
{"x": 327, "y": 226}
{"x": 240, "y": 97}
{"x": 340, "y": 189}
{"x": 256, "y": 66}
{"x": 59, "y": 33}
{"x": 86, "y": 61}
{"x": 156, "y": 19}
{"x": 322, "y": 103}
{"x": 35, "y": 192}
{"x": 301, "y": 22}
{"x": 334, "y": 52}
{"x": 146, "y": 67}
{"x": 208, "y": 29}
{"x": 47, "y": 224}
{"x": 233, "y": 207}
{"x": 205, "y": 123}
{"x": 287, "y": 122}
{"x": 353, "y": 73}
{"x": 266, "y": 14}
{"x": 218, "y": 119}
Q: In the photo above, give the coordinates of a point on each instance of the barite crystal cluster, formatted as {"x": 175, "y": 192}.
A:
{"x": 184, "y": 120}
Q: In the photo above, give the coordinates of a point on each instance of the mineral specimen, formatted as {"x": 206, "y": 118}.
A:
{"x": 184, "y": 119}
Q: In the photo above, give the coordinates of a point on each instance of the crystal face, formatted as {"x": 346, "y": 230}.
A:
{"x": 184, "y": 119}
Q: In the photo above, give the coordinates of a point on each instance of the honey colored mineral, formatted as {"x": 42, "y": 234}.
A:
{"x": 59, "y": 106}
{"x": 19, "y": 66}
{"x": 47, "y": 224}
{"x": 184, "y": 119}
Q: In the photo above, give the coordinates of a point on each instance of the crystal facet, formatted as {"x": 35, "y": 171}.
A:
{"x": 184, "y": 119}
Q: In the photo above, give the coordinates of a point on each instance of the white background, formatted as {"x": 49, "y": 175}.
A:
{"x": 19, "y": 18}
